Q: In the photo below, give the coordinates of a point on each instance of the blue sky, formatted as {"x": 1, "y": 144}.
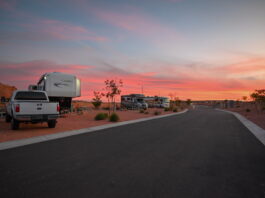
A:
{"x": 170, "y": 46}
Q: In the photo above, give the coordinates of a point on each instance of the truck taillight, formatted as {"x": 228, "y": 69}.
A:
{"x": 58, "y": 108}
{"x": 17, "y": 108}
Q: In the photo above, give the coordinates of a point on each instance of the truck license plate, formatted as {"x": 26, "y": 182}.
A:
{"x": 37, "y": 117}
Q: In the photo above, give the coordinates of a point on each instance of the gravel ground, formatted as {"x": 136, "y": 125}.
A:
{"x": 69, "y": 122}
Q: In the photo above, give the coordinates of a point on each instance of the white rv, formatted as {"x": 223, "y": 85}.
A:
{"x": 60, "y": 87}
{"x": 156, "y": 101}
{"x": 133, "y": 101}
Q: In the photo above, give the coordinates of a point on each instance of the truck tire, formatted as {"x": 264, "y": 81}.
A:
{"x": 8, "y": 118}
{"x": 51, "y": 123}
{"x": 14, "y": 124}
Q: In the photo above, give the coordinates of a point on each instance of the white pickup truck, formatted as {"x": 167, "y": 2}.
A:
{"x": 33, "y": 107}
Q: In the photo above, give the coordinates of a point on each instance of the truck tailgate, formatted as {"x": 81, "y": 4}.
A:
{"x": 37, "y": 108}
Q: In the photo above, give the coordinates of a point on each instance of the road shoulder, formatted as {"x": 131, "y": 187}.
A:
{"x": 253, "y": 128}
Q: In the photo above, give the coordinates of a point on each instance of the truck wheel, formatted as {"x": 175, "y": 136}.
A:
{"x": 51, "y": 123}
{"x": 14, "y": 124}
{"x": 8, "y": 118}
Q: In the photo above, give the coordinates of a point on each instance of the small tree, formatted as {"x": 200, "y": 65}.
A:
{"x": 96, "y": 101}
{"x": 112, "y": 90}
{"x": 177, "y": 101}
{"x": 225, "y": 103}
{"x": 259, "y": 97}
{"x": 244, "y": 98}
{"x": 188, "y": 102}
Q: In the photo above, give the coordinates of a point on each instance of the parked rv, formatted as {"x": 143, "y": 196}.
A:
{"x": 156, "y": 101}
{"x": 133, "y": 101}
{"x": 31, "y": 106}
{"x": 60, "y": 87}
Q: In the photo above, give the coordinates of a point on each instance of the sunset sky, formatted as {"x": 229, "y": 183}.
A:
{"x": 198, "y": 49}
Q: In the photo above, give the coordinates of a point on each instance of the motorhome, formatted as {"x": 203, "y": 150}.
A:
{"x": 133, "y": 101}
{"x": 60, "y": 87}
{"x": 156, "y": 101}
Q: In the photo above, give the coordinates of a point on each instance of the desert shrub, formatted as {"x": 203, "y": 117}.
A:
{"x": 167, "y": 109}
{"x": 96, "y": 101}
{"x": 146, "y": 112}
{"x": 247, "y": 110}
{"x": 114, "y": 117}
{"x": 79, "y": 110}
{"x": 157, "y": 112}
{"x": 101, "y": 116}
{"x": 96, "y": 104}
{"x": 141, "y": 111}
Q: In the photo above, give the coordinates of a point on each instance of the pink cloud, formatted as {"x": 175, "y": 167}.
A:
{"x": 196, "y": 82}
{"x": 139, "y": 23}
{"x": 256, "y": 64}
{"x": 63, "y": 31}
{"x": 7, "y": 5}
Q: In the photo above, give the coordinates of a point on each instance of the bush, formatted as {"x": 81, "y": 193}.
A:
{"x": 97, "y": 104}
{"x": 157, "y": 112}
{"x": 101, "y": 116}
{"x": 146, "y": 112}
{"x": 106, "y": 108}
{"x": 175, "y": 110}
{"x": 114, "y": 117}
{"x": 141, "y": 111}
{"x": 79, "y": 111}
{"x": 247, "y": 110}
{"x": 166, "y": 109}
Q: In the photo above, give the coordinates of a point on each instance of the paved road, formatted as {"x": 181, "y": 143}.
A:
{"x": 203, "y": 153}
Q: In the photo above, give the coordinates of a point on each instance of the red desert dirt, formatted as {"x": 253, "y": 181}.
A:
{"x": 69, "y": 122}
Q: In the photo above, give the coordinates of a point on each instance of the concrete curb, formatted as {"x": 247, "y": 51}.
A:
{"x": 255, "y": 129}
{"x": 44, "y": 138}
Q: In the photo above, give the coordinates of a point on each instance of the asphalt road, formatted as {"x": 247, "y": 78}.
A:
{"x": 202, "y": 153}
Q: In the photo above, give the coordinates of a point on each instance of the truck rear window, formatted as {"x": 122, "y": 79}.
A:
{"x": 30, "y": 95}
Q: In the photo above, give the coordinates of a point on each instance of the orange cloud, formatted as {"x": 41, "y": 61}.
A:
{"x": 195, "y": 82}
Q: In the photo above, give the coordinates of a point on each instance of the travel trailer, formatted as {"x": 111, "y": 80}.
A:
{"x": 133, "y": 101}
{"x": 60, "y": 87}
{"x": 156, "y": 101}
